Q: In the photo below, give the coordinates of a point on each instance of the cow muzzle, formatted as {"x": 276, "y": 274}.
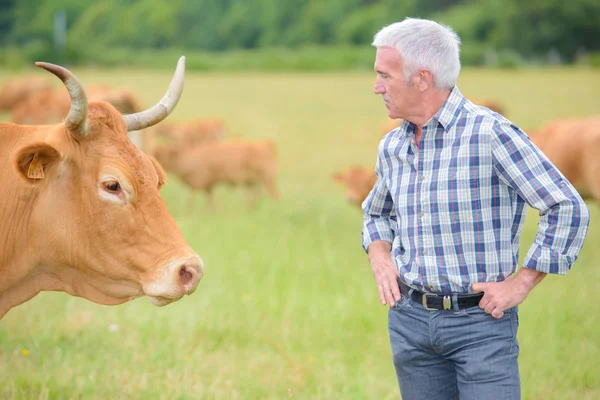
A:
{"x": 178, "y": 278}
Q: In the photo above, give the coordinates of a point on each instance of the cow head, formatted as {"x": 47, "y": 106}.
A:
{"x": 99, "y": 227}
{"x": 358, "y": 181}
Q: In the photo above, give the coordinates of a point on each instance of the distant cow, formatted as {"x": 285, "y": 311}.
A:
{"x": 82, "y": 212}
{"x": 18, "y": 89}
{"x": 359, "y": 182}
{"x": 573, "y": 145}
{"x": 192, "y": 133}
{"x": 252, "y": 164}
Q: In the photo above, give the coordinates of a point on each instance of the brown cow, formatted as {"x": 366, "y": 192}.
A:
{"x": 192, "y": 133}
{"x": 18, "y": 89}
{"x": 233, "y": 162}
{"x": 81, "y": 211}
{"x": 573, "y": 145}
{"x": 359, "y": 182}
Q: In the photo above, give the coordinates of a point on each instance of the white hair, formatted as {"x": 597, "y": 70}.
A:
{"x": 423, "y": 43}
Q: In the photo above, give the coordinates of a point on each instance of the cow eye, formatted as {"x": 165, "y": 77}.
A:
{"x": 112, "y": 186}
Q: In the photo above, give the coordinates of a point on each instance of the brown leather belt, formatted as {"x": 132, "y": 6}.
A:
{"x": 434, "y": 301}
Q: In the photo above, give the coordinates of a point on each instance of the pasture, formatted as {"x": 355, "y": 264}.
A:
{"x": 288, "y": 307}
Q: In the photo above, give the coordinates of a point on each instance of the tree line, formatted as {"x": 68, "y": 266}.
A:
{"x": 533, "y": 30}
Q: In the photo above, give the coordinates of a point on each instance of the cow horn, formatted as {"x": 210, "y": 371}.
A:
{"x": 76, "y": 121}
{"x": 163, "y": 108}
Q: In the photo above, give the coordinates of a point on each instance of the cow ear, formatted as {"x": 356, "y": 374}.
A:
{"x": 160, "y": 172}
{"x": 36, "y": 161}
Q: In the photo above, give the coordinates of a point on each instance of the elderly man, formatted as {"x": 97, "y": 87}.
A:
{"x": 443, "y": 222}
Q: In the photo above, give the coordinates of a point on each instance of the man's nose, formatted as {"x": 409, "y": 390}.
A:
{"x": 378, "y": 88}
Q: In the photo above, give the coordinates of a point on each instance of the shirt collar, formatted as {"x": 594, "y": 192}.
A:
{"x": 451, "y": 109}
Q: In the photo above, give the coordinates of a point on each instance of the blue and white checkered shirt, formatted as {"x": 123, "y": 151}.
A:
{"x": 454, "y": 208}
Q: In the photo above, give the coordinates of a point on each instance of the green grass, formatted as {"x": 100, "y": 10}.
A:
{"x": 288, "y": 307}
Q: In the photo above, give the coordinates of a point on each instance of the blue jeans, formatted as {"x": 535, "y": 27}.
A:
{"x": 464, "y": 354}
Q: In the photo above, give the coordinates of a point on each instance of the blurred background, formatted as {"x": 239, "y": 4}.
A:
{"x": 295, "y": 34}
{"x": 288, "y": 307}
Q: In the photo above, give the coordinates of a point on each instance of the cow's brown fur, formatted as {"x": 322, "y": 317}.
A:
{"x": 358, "y": 181}
{"x": 50, "y": 106}
{"x": 18, "y": 89}
{"x": 573, "y": 145}
{"x": 59, "y": 233}
{"x": 192, "y": 133}
{"x": 234, "y": 162}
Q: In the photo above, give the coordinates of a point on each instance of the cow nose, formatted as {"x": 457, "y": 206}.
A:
{"x": 190, "y": 274}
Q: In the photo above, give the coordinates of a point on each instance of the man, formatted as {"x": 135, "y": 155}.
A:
{"x": 443, "y": 221}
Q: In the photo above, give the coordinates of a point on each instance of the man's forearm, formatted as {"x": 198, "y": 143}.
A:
{"x": 529, "y": 278}
{"x": 379, "y": 250}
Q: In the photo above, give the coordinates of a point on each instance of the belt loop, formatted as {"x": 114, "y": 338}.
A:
{"x": 410, "y": 293}
{"x": 455, "y": 302}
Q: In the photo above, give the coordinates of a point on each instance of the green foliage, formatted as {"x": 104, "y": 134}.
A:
{"x": 537, "y": 30}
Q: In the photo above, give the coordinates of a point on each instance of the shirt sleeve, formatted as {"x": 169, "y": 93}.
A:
{"x": 564, "y": 217}
{"x": 379, "y": 218}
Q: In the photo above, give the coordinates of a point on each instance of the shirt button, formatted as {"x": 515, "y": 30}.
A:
{"x": 422, "y": 177}
{"x": 424, "y": 252}
{"x": 422, "y": 213}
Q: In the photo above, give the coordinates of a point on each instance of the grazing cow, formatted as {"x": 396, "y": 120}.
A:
{"x": 81, "y": 211}
{"x": 359, "y": 182}
{"x": 18, "y": 89}
{"x": 192, "y": 133}
{"x": 573, "y": 145}
{"x": 234, "y": 162}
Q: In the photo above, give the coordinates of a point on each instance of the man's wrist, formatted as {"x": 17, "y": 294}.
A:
{"x": 529, "y": 278}
{"x": 380, "y": 252}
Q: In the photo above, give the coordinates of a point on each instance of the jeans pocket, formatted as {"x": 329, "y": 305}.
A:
{"x": 478, "y": 313}
{"x": 402, "y": 304}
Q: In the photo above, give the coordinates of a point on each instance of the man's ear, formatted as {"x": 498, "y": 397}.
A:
{"x": 160, "y": 172}
{"x": 425, "y": 79}
{"x": 36, "y": 162}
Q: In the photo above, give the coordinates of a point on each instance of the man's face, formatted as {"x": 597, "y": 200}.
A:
{"x": 397, "y": 95}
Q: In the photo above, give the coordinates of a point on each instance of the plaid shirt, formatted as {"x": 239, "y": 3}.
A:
{"x": 454, "y": 208}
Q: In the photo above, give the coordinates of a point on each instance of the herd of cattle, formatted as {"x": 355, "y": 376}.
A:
{"x": 573, "y": 145}
{"x": 196, "y": 151}
{"x": 81, "y": 210}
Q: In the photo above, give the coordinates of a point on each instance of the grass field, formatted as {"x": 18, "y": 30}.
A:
{"x": 288, "y": 307}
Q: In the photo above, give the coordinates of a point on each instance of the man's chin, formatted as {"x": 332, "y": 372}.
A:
{"x": 393, "y": 115}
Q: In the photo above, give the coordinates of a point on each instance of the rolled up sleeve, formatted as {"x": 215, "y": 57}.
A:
{"x": 564, "y": 216}
{"x": 379, "y": 218}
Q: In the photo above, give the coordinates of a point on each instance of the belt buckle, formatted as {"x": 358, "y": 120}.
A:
{"x": 447, "y": 303}
{"x": 424, "y": 301}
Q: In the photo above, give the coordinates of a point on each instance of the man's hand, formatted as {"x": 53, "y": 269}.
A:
{"x": 385, "y": 272}
{"x": 500, "y": 296}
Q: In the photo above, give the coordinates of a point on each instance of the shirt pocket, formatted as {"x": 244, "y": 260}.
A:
{"x": 466, "y": 188}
